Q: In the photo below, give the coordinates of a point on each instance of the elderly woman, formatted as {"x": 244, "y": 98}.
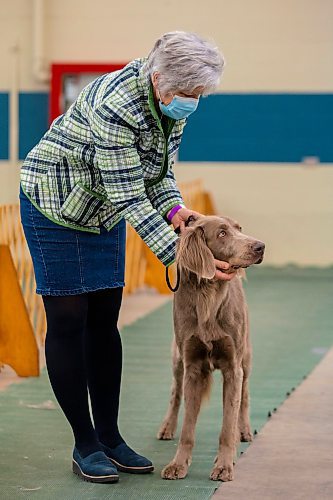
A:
{"x": 106, "y": 160}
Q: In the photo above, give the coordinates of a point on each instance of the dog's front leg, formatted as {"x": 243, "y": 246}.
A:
{"x": 244, "y": 418}
{"x": 196, "y": 384}
{"x": 232, "y": 389}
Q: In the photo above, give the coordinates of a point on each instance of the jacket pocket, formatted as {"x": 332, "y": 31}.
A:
{"x": 82, "y": 205}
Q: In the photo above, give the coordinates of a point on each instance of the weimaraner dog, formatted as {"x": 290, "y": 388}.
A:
{"x": 211, "y": 332}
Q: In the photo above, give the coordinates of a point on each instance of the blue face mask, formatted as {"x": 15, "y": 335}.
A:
{"x": 179, "y": 107}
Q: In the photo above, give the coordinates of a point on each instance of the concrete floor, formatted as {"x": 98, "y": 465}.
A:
{"x": 292, "y": 456}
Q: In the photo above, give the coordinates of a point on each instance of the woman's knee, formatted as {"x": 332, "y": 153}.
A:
{"x": 66, "y": 315}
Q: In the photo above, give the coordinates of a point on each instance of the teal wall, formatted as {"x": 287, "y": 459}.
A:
{"x": 33, "y": 119}
{"x": 260, "y": 128}
{"x": 4, "y": 125}
{"x": 247, "y": 127}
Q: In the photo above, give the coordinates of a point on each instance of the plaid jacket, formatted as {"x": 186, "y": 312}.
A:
{"x": 109, "y": 157}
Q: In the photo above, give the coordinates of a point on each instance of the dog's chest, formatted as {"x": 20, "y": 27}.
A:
{"x": 224, "y": 325}
{"x": 222, "y": 348}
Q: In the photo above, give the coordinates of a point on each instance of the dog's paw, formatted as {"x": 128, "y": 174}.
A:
{"x": 166, "y": 432}
{"x": 246, "y": 436}
{"x": 174, "y": 471}
{"x": 222, "y": 473}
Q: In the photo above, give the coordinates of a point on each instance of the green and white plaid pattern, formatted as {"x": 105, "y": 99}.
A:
{"x": 109, "y": 156}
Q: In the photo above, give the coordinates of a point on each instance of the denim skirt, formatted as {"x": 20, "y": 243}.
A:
{"x": 68, "y": 261}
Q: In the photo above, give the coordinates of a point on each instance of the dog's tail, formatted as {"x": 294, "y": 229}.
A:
{"x": 207, "y": 388}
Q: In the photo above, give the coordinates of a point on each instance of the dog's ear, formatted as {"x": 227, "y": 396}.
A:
{"x": 193, "y": 253}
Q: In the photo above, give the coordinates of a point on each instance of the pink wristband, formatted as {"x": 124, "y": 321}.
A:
{"x": 173, "y": 212}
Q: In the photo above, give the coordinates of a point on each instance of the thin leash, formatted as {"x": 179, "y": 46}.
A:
{"x": 168, "y": 280}
{"x": 175, "y": 288}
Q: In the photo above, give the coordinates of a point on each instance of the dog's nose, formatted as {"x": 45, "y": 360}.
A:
{"x": 259, "y": 247}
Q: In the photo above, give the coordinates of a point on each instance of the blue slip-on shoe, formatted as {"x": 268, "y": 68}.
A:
{"x": 95, "y": 468}
{"x": 127, "y": 460}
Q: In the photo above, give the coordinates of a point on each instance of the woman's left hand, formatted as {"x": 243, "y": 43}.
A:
{"x": 179, "y": 219}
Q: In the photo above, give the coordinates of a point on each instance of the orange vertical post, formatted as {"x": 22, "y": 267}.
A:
{"x": 18, "y": 346}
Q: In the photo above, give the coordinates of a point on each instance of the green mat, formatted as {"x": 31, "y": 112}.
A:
{"x": 291, "y": 328}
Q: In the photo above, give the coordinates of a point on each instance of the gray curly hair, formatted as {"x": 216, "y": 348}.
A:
{"x": 185, "y": 61}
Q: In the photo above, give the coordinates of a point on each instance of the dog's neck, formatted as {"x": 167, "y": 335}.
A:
{"x": 203, "y": 284}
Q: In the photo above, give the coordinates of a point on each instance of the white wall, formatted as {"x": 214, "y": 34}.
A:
{"x": 270, "y": 46}
{"x": 289, "y": 207}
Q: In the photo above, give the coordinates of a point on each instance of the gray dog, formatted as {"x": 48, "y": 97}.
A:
{"x": 211, "y": 332}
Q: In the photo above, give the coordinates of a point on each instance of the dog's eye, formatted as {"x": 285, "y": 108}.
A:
{"x": 222, "y": 233}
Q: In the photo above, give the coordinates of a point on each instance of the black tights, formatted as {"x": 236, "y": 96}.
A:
{"x": 83, "y": 352}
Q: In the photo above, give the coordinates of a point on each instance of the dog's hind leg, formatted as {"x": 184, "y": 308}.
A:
{"x": 244, "y": 418}
{"x": 169, "y": 424}
{"x": 244, "y": 426}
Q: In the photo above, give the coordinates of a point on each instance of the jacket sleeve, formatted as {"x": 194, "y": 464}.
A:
{"x": 122, "y": 175}
{"x": 165, "y": 194}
